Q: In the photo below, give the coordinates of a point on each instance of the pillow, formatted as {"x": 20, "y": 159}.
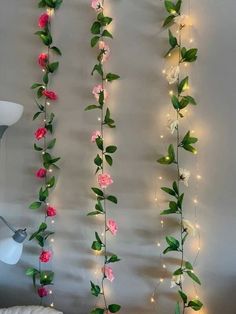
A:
{"x": 29, "y": 310}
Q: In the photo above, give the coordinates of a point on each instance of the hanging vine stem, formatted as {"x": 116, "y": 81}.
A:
{"x": 180, "y": 100}
{"x": 100, "y": 33}
{"x": 42, "y": 279}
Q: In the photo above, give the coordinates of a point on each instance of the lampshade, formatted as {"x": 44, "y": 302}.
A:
{"x": 10, "y": 251}
{"x": 10, "y": 113}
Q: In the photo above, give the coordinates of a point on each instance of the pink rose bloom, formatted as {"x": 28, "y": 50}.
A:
{"x": 43, "y": 20}
{"x": 50, "y": 94}
{"x": 45, "y": 256}
{"x": 108, "y": 273}
{"x": 105, "y": 51}
{"x": 51, "y": 211}
{"x": 42, "y": 292}
{"x": 112, "y": 226}
{"x": 97, "y": 90}
{"x": 43, "y": 59}
{"x": 40, "y": 133}
{"x": 41, "y": 173}
{"x": 95, "y": 135}
{"x": 97, "y": 5}
{"x": 104, "y": 180}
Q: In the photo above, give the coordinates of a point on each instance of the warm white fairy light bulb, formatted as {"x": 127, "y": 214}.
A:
{"x": 158, "y": 244}
{"x": 161, "y": 280}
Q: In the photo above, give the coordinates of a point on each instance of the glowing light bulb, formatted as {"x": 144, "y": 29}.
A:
{"x": 163, "y": 71}
{"x": 167, "y": 158}
{"x": 44, "y": 120}
{"x": 43, "y": 70}
{"x": 161, "y": 279}
{"x": 48, "y": 103}
{"x": 45, "y": 276}
{"x": 195, "y": 201}
{"x": 102, "y": 234}
{"x": 152, "y": 300}
{"x": 197, "y": 226}
{"x": 50, "y": 291}
{"x": 50, "y": 170}
{"x": 199, "y": 177}
{"x": 156, "y": 199}
{"x": 168, "y": 115}
{"x": 52, "y": 240}
{"x": 158, "y": 244}
{"x": 43, "y": 153}
{"x": 52, "y": 221}
{"x": 47, "y": 204}
{"x": 195, "y": 152}
{"x": 52, "y": 305}
{"x": 186, "y": 64}
{"x": 162, "y": 222}
{"x": 191, "y": 40}
{"x": 99, "y": 119}
{"x": 161, "y": 136}
{"x": 169, "y": 55}
{"x": 171, "y": 92}
{"x": 199, "y": 248}
{"x": 164, "y": 266}
{"x": 196, "y": 297}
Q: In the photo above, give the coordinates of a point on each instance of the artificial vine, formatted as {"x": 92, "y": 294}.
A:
{"x": 100, "y": 34}
{"x": 44, "y": 143}
{"x": 180, "y": 99}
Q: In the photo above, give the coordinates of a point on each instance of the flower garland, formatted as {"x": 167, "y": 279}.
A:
{"x": 100, "y": 32}
{"x": 43, "y": 279}
{"x": 180, "y": 100}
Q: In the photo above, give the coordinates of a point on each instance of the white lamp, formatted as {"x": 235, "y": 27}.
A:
{"x": 11, "y": 248}
{"x": 10, "y": 113}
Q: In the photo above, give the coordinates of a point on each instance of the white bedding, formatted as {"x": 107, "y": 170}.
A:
{"x": 29, "y": 310}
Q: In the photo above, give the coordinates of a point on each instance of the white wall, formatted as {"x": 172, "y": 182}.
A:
{"x": 139, "y": 104}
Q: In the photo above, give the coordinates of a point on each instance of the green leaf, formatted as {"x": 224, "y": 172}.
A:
{"x": 37, "y": 148}
{"x": 97, "y": 68}
{"x": 56, "y": 50}
{"x": 35, "y": 85}
{"x": 183, "y": 296}
{"x": 94, "y": 41}
{"x": 177, "y": 308}
{"x": 179, "y": 271}
{"x": 190, "y": 100}
{"x": 189, "y": 55}
{"x": 175, "y": 187}
{"x": 168, "y": 20}
{"x": 96, "y": 246}
{"x": 175, "y": 102}
{"x": 52, "y": 67}
{"x": 172, "y": 242}
{"x": 114, "y": 308}
{"x": 51, "y": 182}
{"x": 168, "y": 212}
{"x": 105, "y": 33}
{"x": 112, "y": 199}
{"x": 91, "y": 107}
{"x": 94, "y": 213}
{"x": 172, "y": 40}
{"x": 98, "y": 238}
{"x": 36, "y": 115}
{"x": 113, "y": 259}
{"x": 168, "y": 191}
{"x": 188, "y": 265}
{"x": 183, "y": 85}
{"x": 98, "y": 161}
{"x": 170, "y": 158}
{"x": 51, "y": 144}
{"x": 98, "y": 311}
{"x": 58, "y": 4}
{"x": 43, "y": 194}
{"x": 109, "y": 160}
{"x": 194, "y": 277}
{"x": 35, "y": 205}
{"x": 95, "y": 290}
{"x": 170, "y": 7}
{"x": 31, "y": 271}
{"x": 112, "y": 77}
{"x": 46, "y": 278}
{"x": 180, "y": 200}
{"x": 111, "y": 149}
{"x": 98, "y": 191}
{"x": 195, "y": 304}
{"x": 96, "y": 28}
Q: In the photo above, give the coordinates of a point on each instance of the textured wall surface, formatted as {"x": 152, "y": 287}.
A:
{"x": 139, "y": 103}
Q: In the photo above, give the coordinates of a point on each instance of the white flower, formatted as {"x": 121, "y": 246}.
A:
{"x": 189, "y": 227}
{"x": 172, "y": 74}
{"x": 181, "y": 20}
{"x": 176, "y": 280}
{"x": 184, "y": 175}
{"x": 173, "y": 124}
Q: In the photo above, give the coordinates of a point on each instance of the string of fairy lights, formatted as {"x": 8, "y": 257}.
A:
{"x": 196, "y": 178}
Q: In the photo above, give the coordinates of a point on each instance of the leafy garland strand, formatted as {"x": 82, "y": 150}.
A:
{"x": 180, "y": 100}
{"x": 99, "y": 245}
{"x": 43, "y": 279}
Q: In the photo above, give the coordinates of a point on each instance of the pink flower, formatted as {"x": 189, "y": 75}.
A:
{"x": 42, "y": 292}
{"x": 97, "y": 90}
{"x": 50, "y": 94}
{"x": 41, "y": 173}
{"x": 105, "y": 51}
{"x": 97, "y": 5}
{"x": 112, "y": 226}
{"x": 51, "y": 211}
{"x": 43, "y": 59}
{"x": 95, "y": 135}
{"x": 104, "y": 180}
{"x": 108, "y": 273}
{"x": 43, "y": 20}
{"x": 45, "y": 256}
{"x": 40, "y": 133}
